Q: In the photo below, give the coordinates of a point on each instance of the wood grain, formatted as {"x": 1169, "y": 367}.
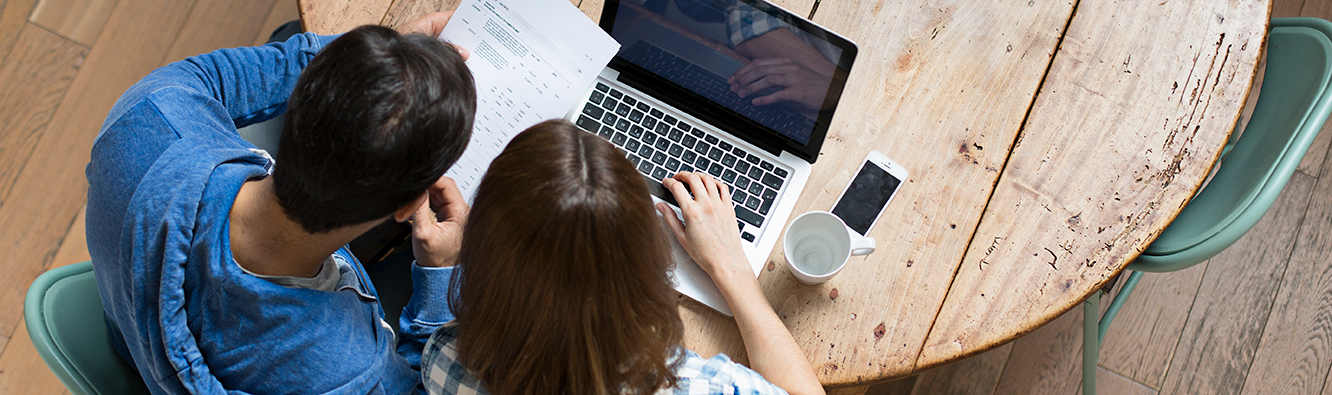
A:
{"x": 330, "y": 17}
{"x": 283, "y": 11}
{"x": 1222, "y": 333}
{"x": 1316, "y": 9}
{"x": 406, "y": 11}
{"x": 896, "y": 387}
{"x": 1295, "y": 353}
{"x": 74, "y": 246}
{"x": 1124, "y": 130}
{"x": 22, "y": 370}
{"x": 591, "y": 8}
{"x": 803, "y": 8}
{"x": 1109, "y": 382}
{"x": 1143, "y": 337}
{"x": 1046, "y": 361}
{"x": 976, "y": 375}
{"x": 1313, "y": 163}
{"x": 33, "y": 223}
{"x": 940, "y": 87}
{"x": 214, "y": 24}
{"x": 32, "y": 82}
{"x": 78, "y": 20}
{"x": 1287, "y": 8}
{"x": 13, "y": 16}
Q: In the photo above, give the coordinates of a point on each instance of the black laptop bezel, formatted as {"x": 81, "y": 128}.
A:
{"x": 720, "y": 116}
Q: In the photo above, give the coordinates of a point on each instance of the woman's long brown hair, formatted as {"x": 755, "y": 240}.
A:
{"x": 564, "y": 287}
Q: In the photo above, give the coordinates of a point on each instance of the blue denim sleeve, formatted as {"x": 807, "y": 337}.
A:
{"x": 427, "y": 310}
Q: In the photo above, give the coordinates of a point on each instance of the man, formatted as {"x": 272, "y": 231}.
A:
{"x": 221, "y": 270}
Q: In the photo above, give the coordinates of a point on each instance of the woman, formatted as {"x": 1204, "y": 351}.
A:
{"x": 564, "y": 287}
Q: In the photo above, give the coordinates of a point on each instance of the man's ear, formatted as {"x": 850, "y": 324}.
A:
{"x": 405, "y": 212}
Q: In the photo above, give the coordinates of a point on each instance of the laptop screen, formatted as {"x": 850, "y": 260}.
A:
{"x": 743, "y": 64}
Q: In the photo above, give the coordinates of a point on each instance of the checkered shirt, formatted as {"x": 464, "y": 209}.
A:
{"x": 443, "y": 375}
{"x": 745, "y": 23}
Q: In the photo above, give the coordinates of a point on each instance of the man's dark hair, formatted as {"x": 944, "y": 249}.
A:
{"x": 374, "y": 120}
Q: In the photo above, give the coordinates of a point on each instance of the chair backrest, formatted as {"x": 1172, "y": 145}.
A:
{"x": 1292, "y": 107}
{"x": 65, "y": 320}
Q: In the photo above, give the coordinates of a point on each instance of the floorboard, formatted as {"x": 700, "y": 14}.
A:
{"x": 22, "y": 370}
{"x": 74, "y": 246}
{"x": 78, "y": 20}
{"x": 1047, "y": 360}
{"x": 977, "y": 375}
{"x": 214, "y": 24}
{"x": 1142, "y": 338}
{"x": 1226, "y": 322}
{"x": 31, "y": 86}
{"x": 13, "y": 16}
{"x": 1295, "y": 353}
{"x": 1313, "y": 8}
{"x": 896, "y": 387}
{"x": 283, "y": 11}
{"x": 32, "y": 83}
{"x": 1287, "y": 8}
{"x": 1109, "y": 382}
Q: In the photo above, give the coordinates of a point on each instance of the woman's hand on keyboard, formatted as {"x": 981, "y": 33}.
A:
{"x": 708, "y": 232}
{"x": 710, "y": 236}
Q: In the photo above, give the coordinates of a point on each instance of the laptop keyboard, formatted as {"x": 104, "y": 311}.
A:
{"x": 661, "y": 145}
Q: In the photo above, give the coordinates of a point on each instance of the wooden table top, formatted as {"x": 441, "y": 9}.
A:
{"x": 1046, "y": 147}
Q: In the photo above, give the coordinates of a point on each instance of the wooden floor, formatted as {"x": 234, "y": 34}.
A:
{"x": 1255, "y": 319}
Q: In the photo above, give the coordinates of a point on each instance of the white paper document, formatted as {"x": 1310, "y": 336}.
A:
{"x": 532, "y": 60}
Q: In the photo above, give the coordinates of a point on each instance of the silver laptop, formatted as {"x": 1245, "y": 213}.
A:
{"x": 667, "y": 101}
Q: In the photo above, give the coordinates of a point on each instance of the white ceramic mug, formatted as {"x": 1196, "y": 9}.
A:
{"x": 818, "y": 244}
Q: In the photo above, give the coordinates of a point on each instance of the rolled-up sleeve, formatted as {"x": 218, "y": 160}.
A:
{"x": 427, "y": 310}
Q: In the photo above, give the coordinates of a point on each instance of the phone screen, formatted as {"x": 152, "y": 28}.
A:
{"x": 864, "y": 199}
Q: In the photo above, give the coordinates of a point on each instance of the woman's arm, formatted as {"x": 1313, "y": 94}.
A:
{"x": 709, "y": 234}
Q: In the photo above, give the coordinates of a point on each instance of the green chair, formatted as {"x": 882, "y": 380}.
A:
{"x": 65, "y": 320}
{"x": 1292, "y": 107}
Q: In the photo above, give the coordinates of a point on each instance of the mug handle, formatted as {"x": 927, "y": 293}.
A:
{"x": 861, "y": 245}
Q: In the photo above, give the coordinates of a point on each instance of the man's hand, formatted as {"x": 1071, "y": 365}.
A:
{"x": 431, "y": 25}
{"x": 437, "y": 225}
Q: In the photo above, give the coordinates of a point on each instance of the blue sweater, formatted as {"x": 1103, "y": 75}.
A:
{"x": 165, "y": 170}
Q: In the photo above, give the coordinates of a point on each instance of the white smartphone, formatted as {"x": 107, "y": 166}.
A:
{"x": 863, "y": 200}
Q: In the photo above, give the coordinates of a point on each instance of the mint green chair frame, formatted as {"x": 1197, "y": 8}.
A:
{"x": 1292, "y": 107}
{"x": 65, "y": 321}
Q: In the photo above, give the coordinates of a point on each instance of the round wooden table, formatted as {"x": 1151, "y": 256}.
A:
{"x": 1047, "y": 148}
